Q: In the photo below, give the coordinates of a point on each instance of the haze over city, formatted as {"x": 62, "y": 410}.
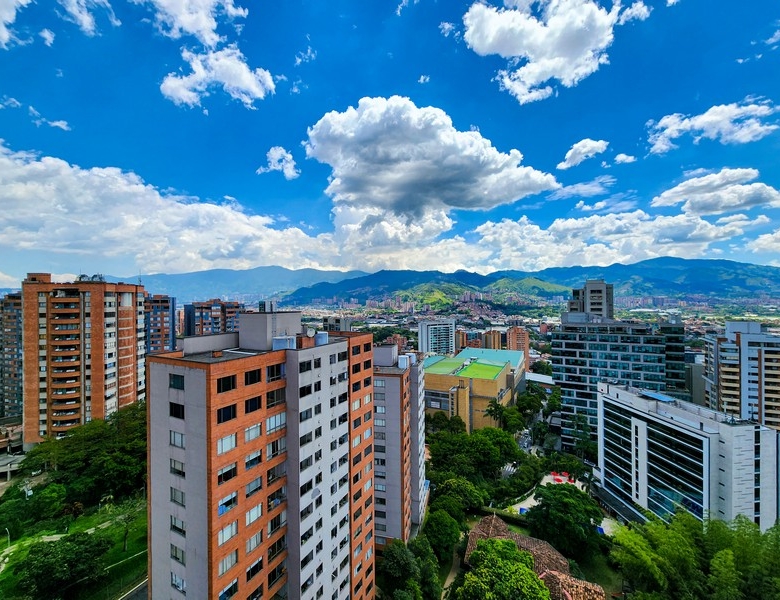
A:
{"x": 160, "y": 136}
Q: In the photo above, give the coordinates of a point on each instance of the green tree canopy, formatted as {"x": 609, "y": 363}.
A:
{"x": 567, "y": 518}
{"x": 398, "y": 566}
{"x": 443, "y": 532}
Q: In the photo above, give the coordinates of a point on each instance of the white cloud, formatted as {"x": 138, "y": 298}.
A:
{"x": 637, "y": 11}
{"x": 47, "y": 35}
{"x": 600, "y": 185}
{"x": 198, "y": 18}
{"x": 774, "y": 39}
{"x": 8, "y": 102}
{"x": 446, "y": 28}
{"x": 624, "y": 158}
{"x": 280, "y": 159}
{"x": 80, "y": 13}
{"x": 39, "y": 120}
{"x": 736, "y": 123}
{"x": 7, "y": 281}
{"x": 387, "y": 153}
{"x": 671, "y": 2}
{"x": 424, "y": 79}
{"x": 726, "y": 191}
{"x": 225, "y": 68}
{"x": 582, "y": 150}
{"x": 561, "y": 40}
{"x": 768, "y": 243}
{"x": 8, "y": 10}
{"x": 304, "y": 57}
{"x": 403, "y": 5}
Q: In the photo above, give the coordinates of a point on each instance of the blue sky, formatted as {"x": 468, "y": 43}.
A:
{"x": 147, "y": 136}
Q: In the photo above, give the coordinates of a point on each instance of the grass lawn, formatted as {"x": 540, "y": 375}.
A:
{"x": 596, "y": 570}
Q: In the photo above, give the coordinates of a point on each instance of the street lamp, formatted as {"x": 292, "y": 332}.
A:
{"x": 9, "y": 536}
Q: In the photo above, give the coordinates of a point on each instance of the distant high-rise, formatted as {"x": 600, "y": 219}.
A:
{"x": 268, "y": 486}
{"x": 337, "y": 323}
{"x": 437, "y": 337}
{"x": 11, "y": 374}
{"x": 212, "y": 316}
{"x": 596, "y": 298}
{"x": 84, "y": 352}
{"x": 742, "y": 373}
{"x": 160, "y": 323}
{"x": 400, "y": 492}
{"x": 518, "y": 338}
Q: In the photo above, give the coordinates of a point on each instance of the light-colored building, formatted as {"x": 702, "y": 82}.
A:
{"x": 465, "y": 384}
{"x": 662, "y": 454}
{"x": 261, "y": 470}
{"x": 597, "y": 297}
{"x": 11, "y": 373}
{"x": 338, "y": 323}
{"x": 84, "y": 352}
{"x": 437, "y": 337}
{"x": 742, "y": 373}
{"x": 400, "y": 493}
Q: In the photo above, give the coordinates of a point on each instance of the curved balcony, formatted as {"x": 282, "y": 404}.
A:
{"x": 61, "y": 395}
{"x": 64, "y": 426}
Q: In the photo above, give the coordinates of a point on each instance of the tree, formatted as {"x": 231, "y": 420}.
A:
{"x": 501, "y": 572}
{"x": 398, "y": 565}
{"x": 553, "y": 403}
{"x": 429, "y": 568}
{"x": 567, "y": 518}
{"x": 584, "y": 445}
{"x": 52, "y": 568}
{"x": 723, "y": 581}
{"x": 539, "y": 430}
{"x": 443, "y": 532}
{"x": 542, "y": 367}
{"x": 495, "y": 410}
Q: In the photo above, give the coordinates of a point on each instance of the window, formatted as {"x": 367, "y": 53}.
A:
{"x": 253, "y": 404}
{"x": 254, "y": 486}
{"x": 176, "y": 410}
{"x": 177, "y": 554}
{"x": 178, "y": 526}
{"x": 254, "y": 568}
{"x": 177, "y": 439}
{"x": 275, "y": 422}
{"x": 367, "y": 382}
{"x": 226, "y": 443}
{"x": 178, "y": 582}
{"x": 226, "y": 473}
{"x": 307, "y": 487}
{"x": 252, "y": 432}
{"x": 367, "y": 347}
{"x": 317, "y": 386}
{"x": 227, "y": 562}
{"x": 317, "y": 432}
{"x": 276, "y": 448}
{"x": 306, "y": 463}
{"x": 252, "y": 377}
{"x": 230, "y": 590}
{"x": 177, "y": 496}
{"x": 380, "y": 409}
{"x": 379, "y": 422}
{"x": 355, "y": 350}
{"x": 305, "y": 415}
{"x": 228, "y": 502}
{"x": 253, "y": 459}
{"x": 175, "y": 382}
{"x": 276, "y": 397}
{"x": 177, "y": 467}
{"x": 304, "y": 391}
{"x": 226, "y": 413}
{"x": 225, "y": 384}
{"x": 306, "y": 438}
{"x": 317, "y": 363}
{"x": 304, "y": 366}
{"x": 254, "y": 541}
{"x": 227, "y": 532}
{"x": 274, "y": 372}
{"x": 254, "y": 513}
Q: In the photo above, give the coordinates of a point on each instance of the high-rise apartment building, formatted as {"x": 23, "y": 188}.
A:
{"x": 160, "y": 323}
{"x": 261, "y": 465}
{"x": 437, "y": 337}
{"x": 742, "y": 373}
{"x": 491, "y": 340}
{"x": 518, "y": 338}
{"x": 588, "y": 348}
{"x": 11, "y": 387}
{"x": 338, "y": 323}
{"x": 661, "y": 454}
{"x": 84, "y": 352}
{"x": 597, "y": 298}
{"x": 399, "y": 449}
{"x": 211, "y": 316}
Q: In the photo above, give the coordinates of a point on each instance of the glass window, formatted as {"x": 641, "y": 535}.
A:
{"x": 252, "y": 377}
{"x": 176, "y": 381}
{"x": 226, "y": 443}
{"x": 176, "y": 410}
{"x": 225, "y": 384}
{"x": 226, "y": 413}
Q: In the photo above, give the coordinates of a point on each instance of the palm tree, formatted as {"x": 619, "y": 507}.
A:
{"x": 495, "y": 410}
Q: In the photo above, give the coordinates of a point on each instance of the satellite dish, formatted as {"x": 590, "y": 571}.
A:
{"x": 310, "y": 332}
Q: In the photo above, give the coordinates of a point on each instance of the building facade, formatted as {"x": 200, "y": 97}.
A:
{"x": 160, "y": 323}
{"x": 742, "y": 373}
{"x": 518, "y": 338}
{"x": 11, "y": 372}
{"x": 662, "y": 454}
{"x": 211, "y": 316}
{"x": 399, "y": 448}
{"x": 437, "y": 337}
{"x": 274, "y": 430}
{"x": 84, "y": 352}
{"x": 597, "y": 298}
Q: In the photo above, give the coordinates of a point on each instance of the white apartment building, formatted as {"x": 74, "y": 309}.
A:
{"x": 437, "y": 337}
{"x": 662, "y": 454}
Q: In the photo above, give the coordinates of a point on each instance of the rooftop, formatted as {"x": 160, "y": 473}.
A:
{"x": 463, "y": 367}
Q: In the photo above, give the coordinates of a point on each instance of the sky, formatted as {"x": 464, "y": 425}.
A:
{"x": 170, "y": 136}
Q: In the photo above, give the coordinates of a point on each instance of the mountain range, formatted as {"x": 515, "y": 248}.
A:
{"x": 675, "y": 277}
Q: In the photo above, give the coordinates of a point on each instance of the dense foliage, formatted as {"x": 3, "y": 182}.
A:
{"x": 101, "y": 461}
{"x": 686, "y": 559}
{"x": 410, "y": 572}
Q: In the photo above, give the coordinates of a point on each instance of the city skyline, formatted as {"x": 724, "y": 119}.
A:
{"x": 154, "y": 136}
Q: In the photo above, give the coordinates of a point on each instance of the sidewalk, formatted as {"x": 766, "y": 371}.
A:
{"x": 453, "y": 571}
